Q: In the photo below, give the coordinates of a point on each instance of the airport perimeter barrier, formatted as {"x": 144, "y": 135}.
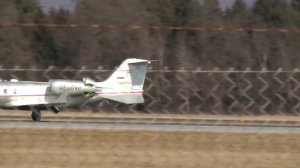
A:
{"x": 190, "y": 118}
{"x": 227, "y": 92}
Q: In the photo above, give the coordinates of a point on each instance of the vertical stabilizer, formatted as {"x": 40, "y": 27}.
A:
{"x": 126, "y": 83}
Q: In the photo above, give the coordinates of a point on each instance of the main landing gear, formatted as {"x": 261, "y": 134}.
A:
{"x": 36, "y": 114}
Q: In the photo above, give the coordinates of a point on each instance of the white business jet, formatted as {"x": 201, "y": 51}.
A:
{"x": 124, "y": 85}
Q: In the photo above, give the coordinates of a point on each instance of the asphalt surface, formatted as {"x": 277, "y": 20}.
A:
{"x": 152, "y": 122}
{"x": 151, "y": 127}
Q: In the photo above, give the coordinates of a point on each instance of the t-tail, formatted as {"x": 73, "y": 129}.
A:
{"x": 126, "y": 83}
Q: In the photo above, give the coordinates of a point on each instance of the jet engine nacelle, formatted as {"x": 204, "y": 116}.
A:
{"x": 70, "y": 87}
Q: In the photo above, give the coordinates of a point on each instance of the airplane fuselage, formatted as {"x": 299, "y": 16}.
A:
{"x": 15, "y": 94}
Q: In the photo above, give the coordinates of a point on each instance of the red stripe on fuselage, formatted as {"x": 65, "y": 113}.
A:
{"x": 119, "y": 93}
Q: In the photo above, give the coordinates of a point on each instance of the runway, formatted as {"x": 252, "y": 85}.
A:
{"x": 151, "y": 127}
{"x": 153, "y": 122}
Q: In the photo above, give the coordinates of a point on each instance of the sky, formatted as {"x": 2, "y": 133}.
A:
{"x": 228, "y": 3}
{"x": 66, "y": 4}
{"x": 70, "y": 4}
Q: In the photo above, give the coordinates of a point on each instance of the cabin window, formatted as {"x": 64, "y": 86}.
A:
{"x": 5, "y": 91}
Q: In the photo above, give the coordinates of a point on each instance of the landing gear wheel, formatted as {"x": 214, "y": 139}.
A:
{"x": 36, "y": 116}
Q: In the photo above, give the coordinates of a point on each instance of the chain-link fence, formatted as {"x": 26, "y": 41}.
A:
{"x": 190, "y": 118}
{"x": 232, "y": 92}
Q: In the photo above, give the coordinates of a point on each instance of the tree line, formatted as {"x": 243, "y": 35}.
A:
{"x": 61, "y": 47}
